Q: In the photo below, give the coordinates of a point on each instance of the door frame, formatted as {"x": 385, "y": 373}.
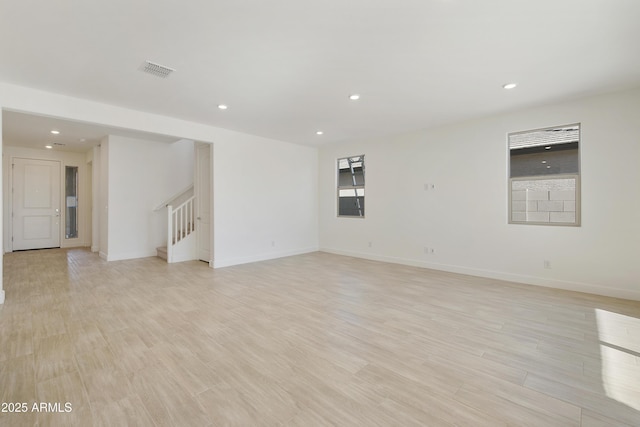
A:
{"x": 196, "y": 181}
{"x": 82, "y": 195}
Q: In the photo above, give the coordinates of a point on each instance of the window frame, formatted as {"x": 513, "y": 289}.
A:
{"x": 67, "y": 214}
{"x": 576, "y": 176}
{"x": 354, "y": 187}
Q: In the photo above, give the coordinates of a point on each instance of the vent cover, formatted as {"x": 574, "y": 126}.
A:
{"x": 156, "y": 69}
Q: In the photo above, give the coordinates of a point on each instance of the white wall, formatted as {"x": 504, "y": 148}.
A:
{"x": 465, "y": 217}
{"x": 264, "y": 192}
{"x": 84, "y": 192}
{"x": 141, "y": 175}
{"x": 265, "y": 200}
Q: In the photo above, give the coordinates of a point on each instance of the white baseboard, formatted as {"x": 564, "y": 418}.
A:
{"x": 589, "y": 288}
{"x": 130, "y": 255}
{"x": 183, "y": 257}
{"x": 141, "y": 254}
{"x": 2, "y": 296}
{"x": 95, "y": 248}
{"x": 73, "y": 243}
{"x": 228, "y": 262}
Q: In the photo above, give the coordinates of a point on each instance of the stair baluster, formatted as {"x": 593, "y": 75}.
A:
{"x": 180, "y": 224}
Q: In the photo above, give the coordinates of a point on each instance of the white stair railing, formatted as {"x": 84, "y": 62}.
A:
{"x": 180, "y": 223}
{"x": 180, "y": 195}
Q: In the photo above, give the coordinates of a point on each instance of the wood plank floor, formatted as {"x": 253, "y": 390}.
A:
{"x": 310, "y": 340}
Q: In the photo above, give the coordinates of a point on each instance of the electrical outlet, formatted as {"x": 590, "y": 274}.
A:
{"x": 547, "y": 264}
{"x": 273, "y": 243}
{"x": 370, "y": 244}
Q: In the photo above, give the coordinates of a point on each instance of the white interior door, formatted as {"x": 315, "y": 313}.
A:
{"x": 36, "y": 204}
{"x": 203, "y": 200}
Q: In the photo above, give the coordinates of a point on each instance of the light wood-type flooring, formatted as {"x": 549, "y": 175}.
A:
{"x": 310, "y": 340}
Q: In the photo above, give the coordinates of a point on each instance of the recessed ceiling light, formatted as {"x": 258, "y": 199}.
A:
{"x": 509, "y": 85}
{"x": 319, "y": 132}
{"x": 48, "y": 146}
{"x": 547, "y": 147}
{"x": 354, "y": 97}
{"x": 548, "y": 167}
{"x": 544, "y": 161}
{"x": 55, "y": 132}
{"x": 222, "y": 107}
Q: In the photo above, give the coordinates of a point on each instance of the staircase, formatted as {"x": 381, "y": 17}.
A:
{"x": 181, "y": 236}
{"x": 162, "y": 252}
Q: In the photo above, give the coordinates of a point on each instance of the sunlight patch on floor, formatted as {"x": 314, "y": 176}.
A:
{"x": 620, "y": 354}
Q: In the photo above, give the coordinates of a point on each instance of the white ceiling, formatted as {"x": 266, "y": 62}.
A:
{"x": 26, "y": 130}
{"x": 286, "y": 68}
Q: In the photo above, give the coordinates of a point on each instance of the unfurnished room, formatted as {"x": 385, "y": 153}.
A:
{"x": 360, "y": 213}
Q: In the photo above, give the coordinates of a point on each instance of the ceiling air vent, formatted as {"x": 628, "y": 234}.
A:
{"x": 156, "y": 69}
